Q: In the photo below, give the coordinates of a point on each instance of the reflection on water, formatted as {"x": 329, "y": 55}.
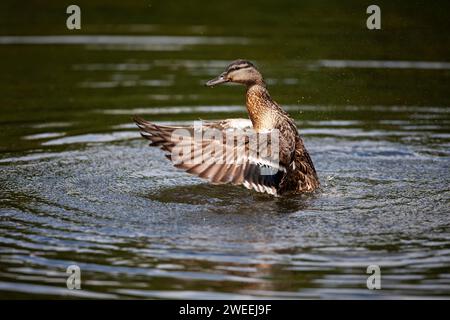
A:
{"x": 79, "y": 186}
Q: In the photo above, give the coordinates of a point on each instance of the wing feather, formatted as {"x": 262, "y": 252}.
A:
{"x": 217, "y": 168}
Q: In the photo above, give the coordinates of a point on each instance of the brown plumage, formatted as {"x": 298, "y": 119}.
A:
{"x": 234, "y": 160}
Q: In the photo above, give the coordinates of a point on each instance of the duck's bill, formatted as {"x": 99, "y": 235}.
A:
{"x": 213, "y": 82}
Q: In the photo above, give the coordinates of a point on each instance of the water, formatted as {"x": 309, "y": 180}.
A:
{"x": 79, "y": 186}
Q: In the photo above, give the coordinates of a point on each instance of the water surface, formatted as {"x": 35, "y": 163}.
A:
{"x": 79, "y": 186}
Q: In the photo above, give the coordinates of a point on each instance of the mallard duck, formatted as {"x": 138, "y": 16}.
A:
{"x": 292, "y": 173}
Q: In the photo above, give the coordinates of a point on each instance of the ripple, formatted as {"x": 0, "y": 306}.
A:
{"x": 129, "y": 41}
{"x": 183, "y": 294}
{"x": 139, "y": 228}
{"x": 126, "y": 83}
{"x": 93, "y": 138}
{"x": 45, "y": 135}
{"x": 383, "y": 64}
{"x": 51, "y": 290}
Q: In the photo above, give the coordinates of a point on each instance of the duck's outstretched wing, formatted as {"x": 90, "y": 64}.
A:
{"x": 218, "y": 156}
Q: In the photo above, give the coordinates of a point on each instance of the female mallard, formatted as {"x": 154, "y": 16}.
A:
{"x": 293, "y": 172}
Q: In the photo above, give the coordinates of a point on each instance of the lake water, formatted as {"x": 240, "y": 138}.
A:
{"x": 79, "y": 186}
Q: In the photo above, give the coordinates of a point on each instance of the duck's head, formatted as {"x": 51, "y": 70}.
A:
{"x": 239, "y": 71}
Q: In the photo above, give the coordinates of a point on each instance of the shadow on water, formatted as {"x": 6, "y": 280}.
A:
{"x": 230, "y": 199}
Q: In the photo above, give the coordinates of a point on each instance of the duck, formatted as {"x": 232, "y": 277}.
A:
{"x": 293, "y": 172}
